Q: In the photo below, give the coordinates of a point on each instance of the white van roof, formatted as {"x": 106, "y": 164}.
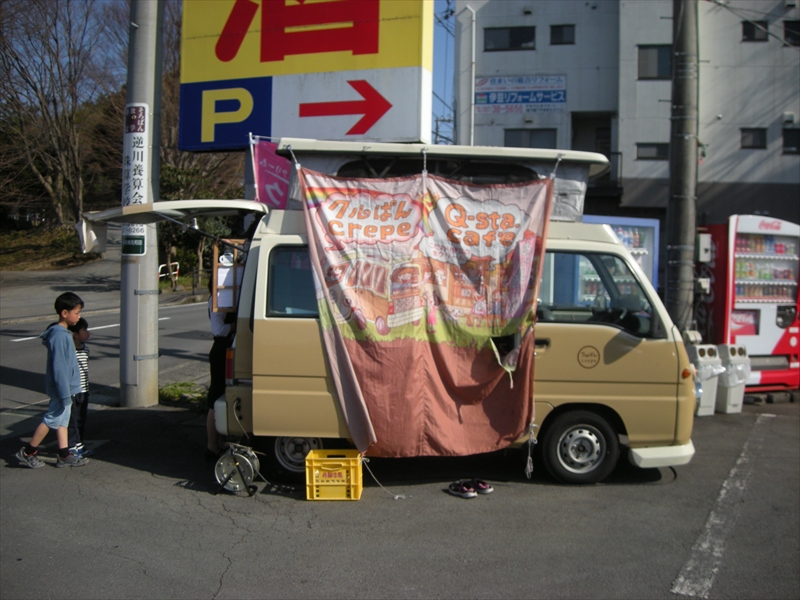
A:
{"x": 597, "y": 163}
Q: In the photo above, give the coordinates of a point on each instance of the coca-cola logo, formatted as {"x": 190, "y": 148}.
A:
{"x": 743, "y": 318}
{"x": 770, "y": 225}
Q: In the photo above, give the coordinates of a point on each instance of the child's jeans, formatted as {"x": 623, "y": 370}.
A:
{"x": 77, "y": 418}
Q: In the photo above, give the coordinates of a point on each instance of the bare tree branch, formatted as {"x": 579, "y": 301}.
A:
{"x": 51, "y": 71}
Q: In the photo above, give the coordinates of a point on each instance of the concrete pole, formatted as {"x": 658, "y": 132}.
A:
{"x": 681, "y": 212}
{"x": 474, "y": 34}
{"x": 138, "y": 355}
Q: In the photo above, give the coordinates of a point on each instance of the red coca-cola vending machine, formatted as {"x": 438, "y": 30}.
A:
{"x": 754, "y": 297}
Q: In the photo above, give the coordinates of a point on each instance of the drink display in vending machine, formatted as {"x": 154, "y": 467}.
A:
{"x": 754, "y": 297}
{"x": 639, "y": 236}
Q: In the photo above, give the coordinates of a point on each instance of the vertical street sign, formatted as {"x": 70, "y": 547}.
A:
{"x": 329, "y": 69}
{"x": 135, "y": 173}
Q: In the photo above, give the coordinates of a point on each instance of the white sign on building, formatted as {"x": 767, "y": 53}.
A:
{"x": 524, "y": 94}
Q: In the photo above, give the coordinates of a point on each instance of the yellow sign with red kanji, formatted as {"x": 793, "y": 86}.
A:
{"x": 236, "y": 39}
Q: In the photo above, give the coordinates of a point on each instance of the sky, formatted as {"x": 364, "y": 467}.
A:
{"x": 443, "y": 54}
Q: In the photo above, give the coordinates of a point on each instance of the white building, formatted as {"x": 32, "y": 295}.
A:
{"x": 596, "y": 75}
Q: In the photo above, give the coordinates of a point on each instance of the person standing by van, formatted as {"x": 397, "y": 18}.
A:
{"x": 223, "y": 326}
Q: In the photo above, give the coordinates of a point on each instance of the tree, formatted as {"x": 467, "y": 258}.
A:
{"x": 52, "y": 72}
{"x": 189, "y": 174}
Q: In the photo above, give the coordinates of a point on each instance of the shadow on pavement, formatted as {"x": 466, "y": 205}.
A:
{"x": 26, "y": 380}
{"x": 169, "y": 442}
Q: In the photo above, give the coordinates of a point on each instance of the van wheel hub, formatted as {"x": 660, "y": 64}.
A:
{"x": 290, "y": 452}
{"x": 581, "y": 449}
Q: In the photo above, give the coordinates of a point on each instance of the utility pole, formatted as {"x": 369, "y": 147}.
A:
{"x": 138, "y": 352}
{"x": 681, "y": 212}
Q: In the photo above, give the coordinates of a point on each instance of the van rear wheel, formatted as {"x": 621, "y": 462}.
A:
{"x": 285, "y": 457}
{"x": 580, "y": 447}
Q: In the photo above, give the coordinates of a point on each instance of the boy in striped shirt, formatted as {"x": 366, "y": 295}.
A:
{"x": 80, "y": 401}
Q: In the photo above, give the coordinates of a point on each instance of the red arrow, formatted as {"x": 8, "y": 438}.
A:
{"x": 373, "y": 107}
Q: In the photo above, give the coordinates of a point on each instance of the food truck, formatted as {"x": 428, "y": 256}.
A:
{"x": 612, "y": 376}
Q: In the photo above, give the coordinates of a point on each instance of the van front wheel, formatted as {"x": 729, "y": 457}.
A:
{"x": 286, "y": 457}
{"x": 580, "y": 447}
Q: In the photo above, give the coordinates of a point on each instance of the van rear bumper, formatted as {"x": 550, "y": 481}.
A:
{"x": 662, "y": 456}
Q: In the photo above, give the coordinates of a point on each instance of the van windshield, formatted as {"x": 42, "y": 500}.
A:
{"x": 593, "y": 288}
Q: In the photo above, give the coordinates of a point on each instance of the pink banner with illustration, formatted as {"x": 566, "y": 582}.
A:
{"x": 271, "y": 174}
{"x": 426, "y": 291}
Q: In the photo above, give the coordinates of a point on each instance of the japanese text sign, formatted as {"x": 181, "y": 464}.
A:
{"x": 423, "y": 273}
{"x": 234, "y": 39}
{"x": 271, "y": 174}
{"x": 290, "y": 67}
{"x": 135, "y": 156}
{"x": 527, "y": 94}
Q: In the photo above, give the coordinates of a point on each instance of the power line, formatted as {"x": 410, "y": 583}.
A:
{"x": 753, "y": 23}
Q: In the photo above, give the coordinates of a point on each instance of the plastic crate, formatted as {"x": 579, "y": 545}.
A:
{"x": 333, "y": 475}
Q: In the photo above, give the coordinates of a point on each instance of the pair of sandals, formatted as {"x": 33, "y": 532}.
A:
{"x": 469, "y": 488}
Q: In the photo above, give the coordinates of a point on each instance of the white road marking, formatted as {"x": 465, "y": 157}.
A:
{"x": 90, "y": 329}
{"x": 9, "y": 411}
{"x": 697, "y": 575}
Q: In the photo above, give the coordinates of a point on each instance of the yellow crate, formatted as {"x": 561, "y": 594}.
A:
{"x": 333, "y": 475}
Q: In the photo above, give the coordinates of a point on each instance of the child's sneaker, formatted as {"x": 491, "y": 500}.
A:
{"x": 81, "y": 450}
{"x": 32, "y": 461}
{"x": 72, "y": 460}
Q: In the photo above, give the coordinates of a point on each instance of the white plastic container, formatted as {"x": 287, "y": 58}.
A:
{"x": 730, "y": 390}
{"x": 706, "y": 360}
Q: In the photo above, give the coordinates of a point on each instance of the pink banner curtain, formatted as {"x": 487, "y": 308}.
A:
{"x": 426, "y": 290}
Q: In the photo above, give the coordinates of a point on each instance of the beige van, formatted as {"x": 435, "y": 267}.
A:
{"x": 611, "y": 371}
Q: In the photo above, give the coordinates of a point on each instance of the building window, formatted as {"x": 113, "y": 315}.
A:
{"x": 655, "y": 62}
{"x": 791, "y": 33}
{"x": 531, "y": 138}
{"x": 652, "y": 151}
{"x": 791, "y": 141}
{"x": 754, "y": 138}
{"x": 496, "y": 39}
{"x": 562, "y": 34}
{"x": 754, "y": 31}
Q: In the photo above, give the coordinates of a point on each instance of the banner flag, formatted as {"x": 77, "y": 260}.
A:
{"x": 271, "y": 174}
{"x": 426, "y": 290}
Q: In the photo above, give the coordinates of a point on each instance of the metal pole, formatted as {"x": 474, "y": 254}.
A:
{"x": 681, "y": 212}
{"x": 472, "y": 78}
{"x": 138, "y": 354}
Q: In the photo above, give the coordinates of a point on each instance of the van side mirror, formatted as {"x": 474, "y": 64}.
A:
{"x": 656, "y": 326}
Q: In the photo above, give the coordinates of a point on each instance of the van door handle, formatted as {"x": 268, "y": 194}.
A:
{"x": 542, "y": 343}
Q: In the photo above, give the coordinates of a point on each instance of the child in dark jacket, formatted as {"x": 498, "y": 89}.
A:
{"x": 62, "y": 381}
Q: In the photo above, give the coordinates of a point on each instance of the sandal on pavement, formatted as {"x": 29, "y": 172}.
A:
{"x": 481, "y": 487}
{"x": 462, "y": 489}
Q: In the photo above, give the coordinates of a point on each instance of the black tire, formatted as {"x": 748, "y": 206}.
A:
{"x": 284, "y": 457}
{"x": 580, "y": 447}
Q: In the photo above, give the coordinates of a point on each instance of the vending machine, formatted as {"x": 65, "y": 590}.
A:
{"x": 753, "y": 300}
{"x": 640, "y": 236}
